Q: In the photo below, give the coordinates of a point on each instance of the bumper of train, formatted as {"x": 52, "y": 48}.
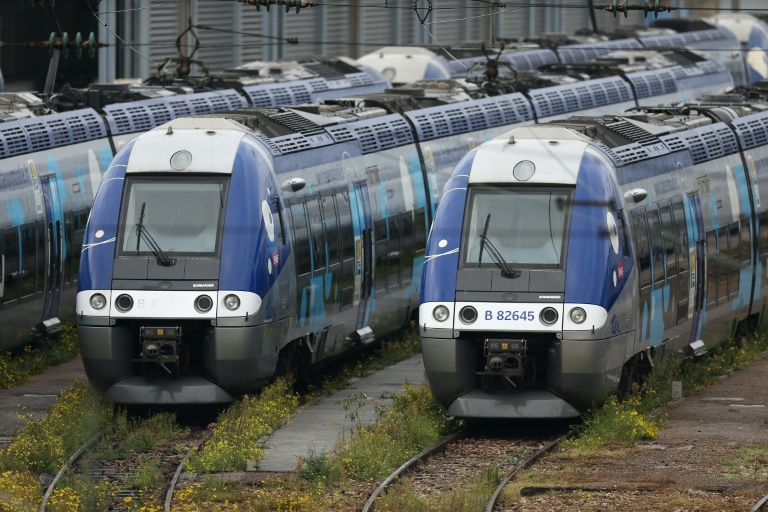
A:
{"x": 235, "y": 360}
{"x": 578, "y": 378}
{"x": 581, "y": 365}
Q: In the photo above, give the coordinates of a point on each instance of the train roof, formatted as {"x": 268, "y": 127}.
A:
{"x": 647, "y": 132}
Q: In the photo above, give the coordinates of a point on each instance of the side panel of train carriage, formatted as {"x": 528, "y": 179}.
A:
{"x": 51, "y": 171}
{"x": 359, "y": 230}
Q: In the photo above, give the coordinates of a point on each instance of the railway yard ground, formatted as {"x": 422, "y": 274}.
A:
{"x": 705, "y": 452}
{"x": 710, "y": 455}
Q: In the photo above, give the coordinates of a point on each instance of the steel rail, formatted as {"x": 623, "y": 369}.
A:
{"x": 417, "y": 458}
{"x": 179, "y": 469}
{"x": 527, "y": 462}
{"x": 75, "y": 456}
{"x": 760, "y": 504}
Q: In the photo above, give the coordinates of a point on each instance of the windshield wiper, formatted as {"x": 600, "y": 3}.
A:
{"x": 506, "y": 270}
{"x": 143, "y": 234}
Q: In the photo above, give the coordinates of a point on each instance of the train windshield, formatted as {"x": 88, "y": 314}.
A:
{"x": 524, "y": 228}
{"x": 172, "y": 215}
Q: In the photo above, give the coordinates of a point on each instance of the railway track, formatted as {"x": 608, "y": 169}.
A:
{"x": 454, "y": 462}
{"x": 147, "y": 478}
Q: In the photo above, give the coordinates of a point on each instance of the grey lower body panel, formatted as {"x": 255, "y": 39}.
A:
{"x": 233, "y": 361}
{"x": 139, "y": 390}
{"x": 579, "y": 375}
{"x": 500, "y": 404}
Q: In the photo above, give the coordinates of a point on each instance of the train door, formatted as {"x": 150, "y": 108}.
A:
{"x": 54, "y": 251}
{"x": 697, "y": 290}
{"x": 363, "y": 222}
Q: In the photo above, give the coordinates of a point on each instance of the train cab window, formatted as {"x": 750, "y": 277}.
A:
{"x": 681, "y": 235}
{"x": 668, "y": 234}
{"x": 301, "y": 239}
{"x": 345, "y": 225}
{"x": 11, "y": 270}
{"x": 393, "y": 252}
{"x": 657, "y": 245}
{"x": 419, "y": 230}
{"x": 526, "y": 227}
{"x": 643, "y": 251}
{"x": 28, "y": 274}
{"x": 317, "y": 235}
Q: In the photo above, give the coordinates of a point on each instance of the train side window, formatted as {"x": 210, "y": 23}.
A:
{"x": 12, "y": 271}
{"x": 681, "y": 235}
{"x": 723, "y": 263}
{"x": 79, "y": 223}
{"x": 380, "y": 232}
{"x": 316, "y": 232}
{"x": 744, "y": 241}
{"x": 393, "y": 252}
{"x": 643, "y": 250}
{"x": 406, "y": 251}
{"x": 712, "y": 267}
{"x": 735, "y": 245}
{"x": 419, "y": 230}
{"x": 331, "y": 228}
{"x": 763, "y": 232}
{"x": 70, "y": 249}
{"x": 28, "y": 260}
{"x": 301, "y": 238}
{"x": 669, "y": 240}
{"x": 734, "y": 259}
{"x": 345, "y": 225}
{"x": 656, "y": 244}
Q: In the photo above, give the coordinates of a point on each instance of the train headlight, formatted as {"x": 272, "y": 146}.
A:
{"x": 181, "y": 160}
{"x": 124, "y": 302}
{"x": 468, "y": 314}
{"x": 98, "y": 301}
{"x": 232, "y": 302}
{"x": 578, "y": 315}
{"x": 548, "y": 316}
{"x": 441, "y": 313}
{"x": 524, "y": 170}
{"x": 203, "y": 304}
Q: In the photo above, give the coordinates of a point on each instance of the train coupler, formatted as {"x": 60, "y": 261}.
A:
{"x": 161, "y": 345}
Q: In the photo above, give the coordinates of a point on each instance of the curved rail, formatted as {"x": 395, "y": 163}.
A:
{"x": 179, "y": 469}
{"x": 417, "y": 458}
{"x": 760, "y": 504}
{"x": 527, "y": 462}
{"x": 75, "y": 456}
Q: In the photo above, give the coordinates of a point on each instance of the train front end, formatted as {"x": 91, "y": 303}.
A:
{"x": 176, "y": 266}
{"x": 524, "y": 310}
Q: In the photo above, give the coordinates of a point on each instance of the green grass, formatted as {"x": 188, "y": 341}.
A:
{"x": 16, "y": 367}
{"x": 465, "y": 497}
{"x": 632, "y": 419}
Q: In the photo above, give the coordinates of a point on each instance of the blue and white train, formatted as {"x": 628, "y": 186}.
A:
{"x": 737, "y": 41}
{"x": 566, "y": 257}
{"x": 222, "y": 249}
{"x": 51, "y": 165}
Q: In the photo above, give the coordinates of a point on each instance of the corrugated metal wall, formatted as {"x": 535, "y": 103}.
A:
{"x": 350, "y": 28}
{"x": 163, "y": 30}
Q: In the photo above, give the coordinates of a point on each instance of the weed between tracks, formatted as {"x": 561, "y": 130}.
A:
{"x": 18, "y": 366}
